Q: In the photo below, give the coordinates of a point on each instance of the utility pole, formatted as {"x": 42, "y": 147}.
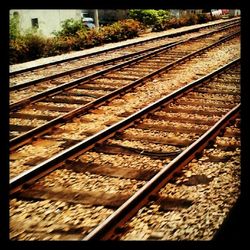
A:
{"x": 96, "y": 18}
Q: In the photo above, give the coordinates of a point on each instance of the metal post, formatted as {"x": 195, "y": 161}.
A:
{"x": 96, "y": 19}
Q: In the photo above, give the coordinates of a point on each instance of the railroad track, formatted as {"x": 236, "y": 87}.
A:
{"x": 32, "y": 87}
{"x": 71, "y": 131}
{"x": 28, "y": 117}
{"x": 90, "y": 190}
{"x": 27, "y": 76}
{"x": 193, "y": 205}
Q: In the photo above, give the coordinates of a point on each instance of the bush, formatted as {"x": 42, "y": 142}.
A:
{"x": 155, "y": 19}
{"x": 58, "y": 45}
{"x": 74, "y": 36}
{"x": 130, "y": 28}
{"x": 204, "y": 17}
{"x": 188, "y": 19}
{"x": 93, "y": 38}
{"x": 14, "y": 32}
{"x": 27, "y": 47}
{"x": 17, "y": 51}
{"x": 173, "y": 23}
{"x": 35, "y": 44}
{"x": 111, "y": 33}
{"x": 121, "y": 30}
{"x": 70, "y": 27}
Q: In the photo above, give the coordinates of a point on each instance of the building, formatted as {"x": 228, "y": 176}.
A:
{"x": 179, "y": 12}
{"x": 108, "y": 16}
{"x": 234, "y": 12}
{"x": 46, "y": 21}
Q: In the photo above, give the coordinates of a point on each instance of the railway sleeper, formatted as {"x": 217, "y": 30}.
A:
{"x": 216, "y": 97}
{"x": 173, "y": 141}
{"x": 124, "y": 76}
{"x": 32, "y": 116}
{"x": 107, "y": 170}
{"x": 182, "y": 119}
{"x": 168, "y": 128}
{"x": 35, "y": 161}
{"x": 111, "y": 81}
{"x": 20, "y": 128}
{"x": 65, "y": 100}
{"x": 51, "y": 108}
{"x": 172, "y": 204}
{"x": 98, "y": 87}
{"x": 57, "y": 231}
{"x": 216, "y": 91}
{"x": 193, "y": 111}
{"x": 93, "y": 93}
{"x": 119, "y": 149}
{"x": 228, "y": 81}
{"x": 228, "y": 133}
{"x": 216, "y": 104}
{"x": 94, "y": 198}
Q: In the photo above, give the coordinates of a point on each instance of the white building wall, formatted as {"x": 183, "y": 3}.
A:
{"x": 48, "y": 20}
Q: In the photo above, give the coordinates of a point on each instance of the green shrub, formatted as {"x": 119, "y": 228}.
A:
{"x": 74, "y": 36}
{"x": 14, "y": 31}
{"x": 111, "y": 33}
{"x": 70, "y": 27}
{"x": 35, "y": 44}
{"x": 147, "y": 17}
{"x": 155, "y": 19}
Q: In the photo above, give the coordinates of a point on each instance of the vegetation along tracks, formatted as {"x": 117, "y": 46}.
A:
{"x": 86, "y": 190}
{"x": 30, "y": 116}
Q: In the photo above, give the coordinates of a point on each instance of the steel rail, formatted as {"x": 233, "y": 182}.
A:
{"x": 20, "y": 140}
{"x": 56, "y": 161}
{"x": 26, "y": 84}
{"x": 115, "y": 221}
{"x": 18, "y": 71}
{"x": 73, "y": 83}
